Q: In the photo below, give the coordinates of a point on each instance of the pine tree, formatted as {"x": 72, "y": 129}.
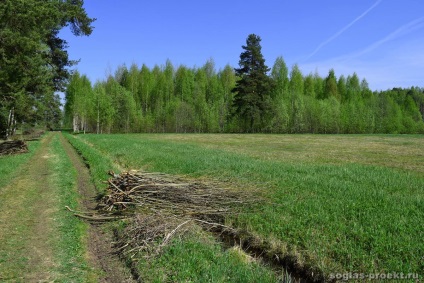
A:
{"x": 34, "y": 60}
{"x": 252, "y": 91}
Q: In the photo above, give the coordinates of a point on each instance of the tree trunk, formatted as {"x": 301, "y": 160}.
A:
{"x": 9, "y": 120}
{"x": 98, "y": 118}
{"x": 11, "y": 124}
{"x": 75, "y": 123}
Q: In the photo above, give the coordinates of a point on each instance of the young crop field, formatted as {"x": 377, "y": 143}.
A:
{"x": 212, "y": 208}
{"x": 325, "y": 204}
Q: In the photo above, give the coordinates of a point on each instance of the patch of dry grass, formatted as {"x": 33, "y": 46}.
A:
{"x": 405, "y": 152}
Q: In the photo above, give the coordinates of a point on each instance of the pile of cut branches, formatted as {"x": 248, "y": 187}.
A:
{"x": 157, "y": 192}
{"x": 148, "y": 234}
{"x": 33, "y": 134}
{"x": 13, "y": 147}
{"x": 165, "y": 208}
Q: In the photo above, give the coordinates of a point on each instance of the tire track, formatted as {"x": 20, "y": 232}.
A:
{"x": 99, "y": 241}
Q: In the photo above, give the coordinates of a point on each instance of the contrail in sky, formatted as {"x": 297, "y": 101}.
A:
{"x": 342, "y": 30}
{"x": 405, "y": 29}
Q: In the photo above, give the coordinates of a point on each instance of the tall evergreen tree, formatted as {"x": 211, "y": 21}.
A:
{"x": 33, "y": 59}
{"x": 252, "y": 91}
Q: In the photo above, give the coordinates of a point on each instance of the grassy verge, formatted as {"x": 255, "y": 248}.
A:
{"x": 336, "y": 216}
{"x": 15, "y": 233}
{"x": 203, "y": 260}
{"x": 70, "y": 247}
{"x": 10, "y": 164}
{"x": 194, "y": 258}
{"x": 13, "y": 259}
{"x": 98, "y": 162}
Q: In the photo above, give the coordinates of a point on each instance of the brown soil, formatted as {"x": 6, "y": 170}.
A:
{"x": 101, "y": 252}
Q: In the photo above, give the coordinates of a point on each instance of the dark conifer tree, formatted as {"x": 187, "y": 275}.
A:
{"x": 252, "y": 92}
{"x": 34, "y": 61}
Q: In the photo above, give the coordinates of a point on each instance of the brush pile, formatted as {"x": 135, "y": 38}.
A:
{"x": 33, "y": 134}
{"x": 13, "y": 147}
{"x": 148, "y": 233}
{"x": 165, "y": 208}
{"x": 156, "y": 192}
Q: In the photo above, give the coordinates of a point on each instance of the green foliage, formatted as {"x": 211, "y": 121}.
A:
{"x": 104, "y": 110}
{"x": 296, "y": 101}
{"x": 162, "y": 99}
{"x": 80, "y": 103}
{"x": 330, "y": 86}
{"x": 353, "y": 88}
{"x": 168, "y": 99}
{"x": 245, "y": 99}
{"x": 34, "y": 61}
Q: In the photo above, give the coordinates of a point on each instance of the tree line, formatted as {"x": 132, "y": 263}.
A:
{"x": 34, "y": 66}
{"x": 200, "y": 99}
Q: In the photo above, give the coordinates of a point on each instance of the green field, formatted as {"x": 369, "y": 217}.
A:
{"x": 330, "y": 203}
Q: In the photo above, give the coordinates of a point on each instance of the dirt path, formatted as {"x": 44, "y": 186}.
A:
{"x": 26, "y": 222}
{"x": 28, "y": 230}
{"x": 99, "y": 244}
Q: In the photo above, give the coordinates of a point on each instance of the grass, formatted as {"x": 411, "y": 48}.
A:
{"x": 203, "y": 260}
{"x": 197, "y": 258}
{"x": 39, "y": 238}
{"x": 403, "y": 152}
{"x": 12, "y": 258}
{"x": 337, "y": 203}
{"x": 10, "y": 164}
{"x": 98, "y": 163}
{"x": 14, "y": 237}
{"x": 70, "y": 247}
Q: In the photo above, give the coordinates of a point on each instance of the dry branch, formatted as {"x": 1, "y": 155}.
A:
{"x": 171, "y": 207}
{"x": 155, "y": 191}
{"x": 162, "y": 208}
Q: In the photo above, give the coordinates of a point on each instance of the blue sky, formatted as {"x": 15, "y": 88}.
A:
{"x": 380, "y": 40}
